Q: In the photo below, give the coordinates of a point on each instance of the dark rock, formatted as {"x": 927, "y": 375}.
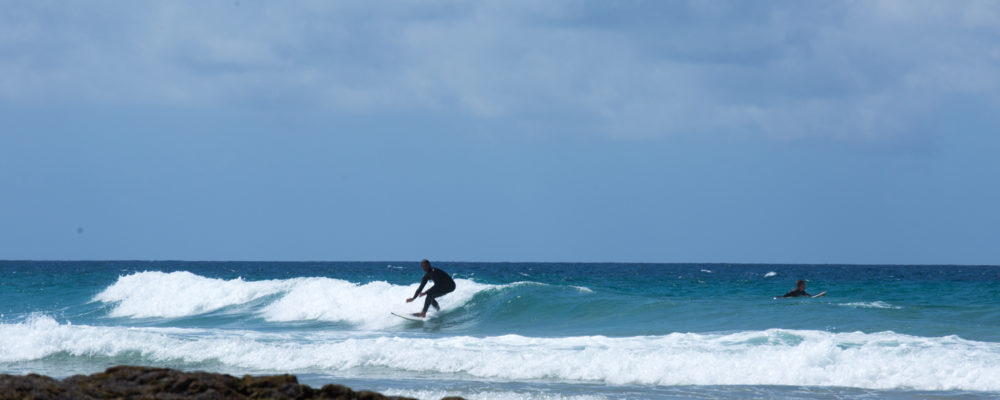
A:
{"x": 126, "y": 382}
{"x": 30, "y": 387}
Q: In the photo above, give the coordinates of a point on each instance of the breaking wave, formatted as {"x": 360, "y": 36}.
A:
{"x": 884, "y": 360}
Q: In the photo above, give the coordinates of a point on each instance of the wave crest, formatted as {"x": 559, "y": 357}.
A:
{"x": 154, "y": 294}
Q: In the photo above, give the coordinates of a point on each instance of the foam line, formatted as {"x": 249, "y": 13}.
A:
{"x": 871, "y": 304}
{"x": 883, "y": 360}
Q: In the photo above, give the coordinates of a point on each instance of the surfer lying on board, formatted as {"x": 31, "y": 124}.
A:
{"x": 800, "y": 290}
{"x": 443, "y": 284}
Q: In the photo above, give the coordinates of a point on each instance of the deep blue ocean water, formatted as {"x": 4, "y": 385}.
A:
{"x": 520, "y": 330}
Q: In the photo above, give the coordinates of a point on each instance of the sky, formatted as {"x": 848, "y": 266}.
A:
{"x": 860, "y": 132}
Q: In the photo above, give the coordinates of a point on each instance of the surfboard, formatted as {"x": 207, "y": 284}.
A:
{"x": 821, "y": 294}
{"x": 410, "y": 317}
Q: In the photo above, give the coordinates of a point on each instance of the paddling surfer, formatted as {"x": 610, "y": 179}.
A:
{"x": 443, "y": 284}
{"x": 800, "y": 290}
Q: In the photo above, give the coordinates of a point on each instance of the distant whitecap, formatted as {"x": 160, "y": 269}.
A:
{"x": 871, "y": 304}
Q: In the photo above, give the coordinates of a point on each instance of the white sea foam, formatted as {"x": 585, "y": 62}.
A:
{"x": 770, "y": 274}
{"x": 154, "y": 294}
{"x": 488, "y": 395}
{"x": 871, "y": 304}
{"x": 366, "y": 305}
{"x": 883, "y": 360}
{"x": 178, "y": 294}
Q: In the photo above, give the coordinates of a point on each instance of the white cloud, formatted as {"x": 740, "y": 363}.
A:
{"x": 849, "y": 71}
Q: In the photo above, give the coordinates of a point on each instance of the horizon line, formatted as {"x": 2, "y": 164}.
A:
{"x": 505, "y": 262}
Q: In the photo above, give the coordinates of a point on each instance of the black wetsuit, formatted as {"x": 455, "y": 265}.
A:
{"x": 797, "y": 293}
{"x": 443, "y": 284}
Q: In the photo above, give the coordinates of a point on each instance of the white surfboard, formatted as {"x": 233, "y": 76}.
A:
{"x": 410, "y": 317}
{"x": 821, "y": 294}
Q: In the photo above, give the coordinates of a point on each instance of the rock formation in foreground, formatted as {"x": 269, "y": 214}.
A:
{"x": 126, "y": 382}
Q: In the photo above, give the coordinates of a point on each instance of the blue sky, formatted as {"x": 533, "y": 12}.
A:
{"x": 633, "y": 131}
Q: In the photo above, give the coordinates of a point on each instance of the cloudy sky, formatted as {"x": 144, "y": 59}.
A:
{"x": 635, "y": 131}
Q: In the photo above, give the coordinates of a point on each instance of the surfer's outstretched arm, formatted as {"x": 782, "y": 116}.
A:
{"x": 423, "y": 282}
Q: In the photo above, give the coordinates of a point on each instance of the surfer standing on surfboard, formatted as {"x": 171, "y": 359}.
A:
{"x": 800, "y": 290}
{"x": 443, "y": 284}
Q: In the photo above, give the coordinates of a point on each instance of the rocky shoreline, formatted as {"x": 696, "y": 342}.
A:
{"x": 130, "y": 382}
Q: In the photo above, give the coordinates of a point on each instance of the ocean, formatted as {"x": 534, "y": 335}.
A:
{"x": 520, "y": 330}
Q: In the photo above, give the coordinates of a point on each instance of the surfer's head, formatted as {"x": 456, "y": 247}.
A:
{"x": 801, "y": 284}
{"x": 426, "y": 265}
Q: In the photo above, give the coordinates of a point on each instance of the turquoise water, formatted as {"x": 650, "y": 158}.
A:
{"x": 520, "y": 330}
